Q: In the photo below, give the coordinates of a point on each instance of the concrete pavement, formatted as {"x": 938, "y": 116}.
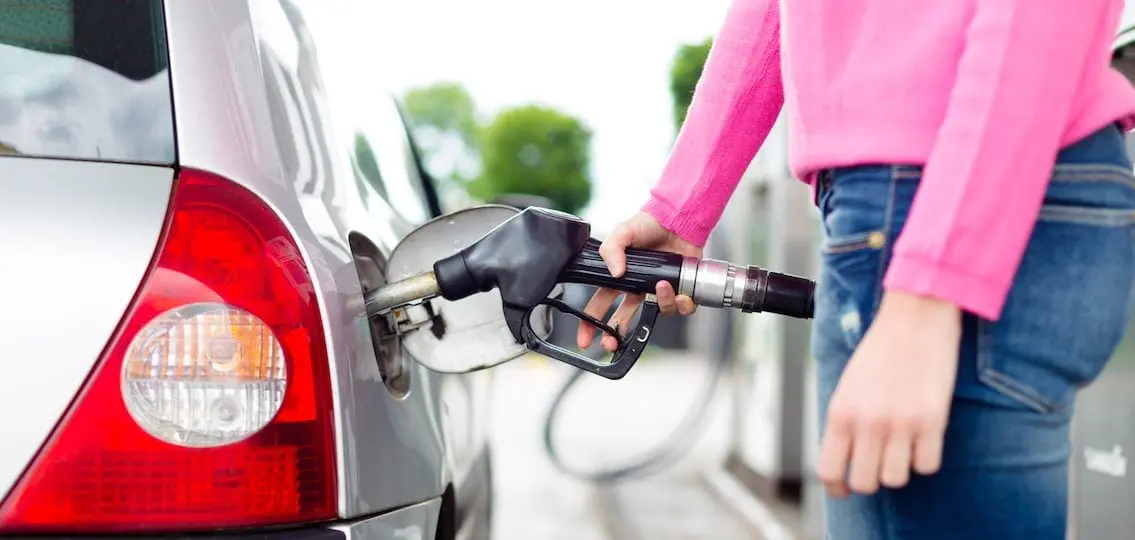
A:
{"x": 604, "y": 424}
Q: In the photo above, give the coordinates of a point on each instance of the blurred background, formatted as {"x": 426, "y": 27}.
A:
{"x": 575, "y": 106}
{"x": 578, "y": 102}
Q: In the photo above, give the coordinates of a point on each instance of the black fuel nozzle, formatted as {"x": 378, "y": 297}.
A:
{"x": 521, "y": 257}
{"x": 528, "y": 255}
{"x": 525, "y": 258}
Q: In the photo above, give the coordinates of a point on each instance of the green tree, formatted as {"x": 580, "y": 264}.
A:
{"x": 685, "y": 71}
{"x": 444, "y": 121}
{"x": 536, "y": 150}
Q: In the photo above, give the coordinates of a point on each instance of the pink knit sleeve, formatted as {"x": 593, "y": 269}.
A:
{"x": 986, "y": 177}
{"x": 737, "y": 100}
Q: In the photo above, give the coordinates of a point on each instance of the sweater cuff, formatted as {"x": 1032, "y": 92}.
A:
{"x": 915, "y": 275}
{"x": 676, "y": 222}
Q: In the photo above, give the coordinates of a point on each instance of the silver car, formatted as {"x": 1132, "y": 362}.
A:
{"x": 194, "y": 195}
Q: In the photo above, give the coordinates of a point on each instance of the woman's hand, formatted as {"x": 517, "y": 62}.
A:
{"x": 888, "y": 414}
{"x": 641, "y": 231}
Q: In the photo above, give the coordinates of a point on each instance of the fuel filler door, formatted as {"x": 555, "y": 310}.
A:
{"x": 464, "y": 336}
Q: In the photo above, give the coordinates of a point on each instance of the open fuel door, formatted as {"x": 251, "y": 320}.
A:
{"x": 464, "y": 336}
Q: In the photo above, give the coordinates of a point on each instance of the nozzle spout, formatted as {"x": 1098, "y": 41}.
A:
{"x": 400, "y": 293}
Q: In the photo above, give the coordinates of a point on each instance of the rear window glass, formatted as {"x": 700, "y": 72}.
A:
{"x": 85, "y": 79}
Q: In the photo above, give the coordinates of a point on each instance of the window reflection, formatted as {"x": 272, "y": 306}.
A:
{"x": 85, "y": 80}
{"x": 365, "y": 114}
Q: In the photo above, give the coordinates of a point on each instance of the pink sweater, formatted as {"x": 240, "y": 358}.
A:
{"x": 984, "y": 93}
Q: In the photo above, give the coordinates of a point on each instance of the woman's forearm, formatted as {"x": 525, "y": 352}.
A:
{"x": 985, "y": 180}
{"x": 737, "y": 101}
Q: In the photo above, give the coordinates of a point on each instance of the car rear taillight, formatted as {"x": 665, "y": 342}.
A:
{"x": 211, "y": 406}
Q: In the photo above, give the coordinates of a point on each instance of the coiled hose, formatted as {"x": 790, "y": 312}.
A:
{"x": 671, "y": 450}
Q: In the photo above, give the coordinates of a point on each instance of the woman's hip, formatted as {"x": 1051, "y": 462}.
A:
{"x": 1018, "y": 376}
{"x": 1070, "y": 300}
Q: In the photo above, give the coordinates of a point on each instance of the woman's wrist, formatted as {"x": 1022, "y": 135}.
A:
{"x": 898, "y": 303}
{"x": 681, "y": 225}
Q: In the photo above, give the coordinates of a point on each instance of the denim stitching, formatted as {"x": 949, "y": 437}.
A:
{"x": 1075, "y": 172}
{"x": 885, "y": 250}
{"x": 1102, "y": 217}
{"x": 848, "y": 244}
{"x": 838, "y": 245}
{"x": 1102, "y": 167}
{"x": 1069, "y": 172}
{"x": 1001, "y": 382}
{"x": 1104, "y": 172}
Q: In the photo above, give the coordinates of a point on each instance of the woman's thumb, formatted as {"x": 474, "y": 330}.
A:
{"x": 614, "y": 249}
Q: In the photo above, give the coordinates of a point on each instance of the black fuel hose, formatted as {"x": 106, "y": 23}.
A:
{"x": 671, "y": 450}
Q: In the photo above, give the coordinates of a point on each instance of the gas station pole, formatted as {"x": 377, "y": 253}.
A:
{"x": 773, "y": 223}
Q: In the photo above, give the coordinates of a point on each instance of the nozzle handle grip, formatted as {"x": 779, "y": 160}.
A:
{"x": 645, "y": 268}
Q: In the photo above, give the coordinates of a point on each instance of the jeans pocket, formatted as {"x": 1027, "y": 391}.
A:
{"x": 870, "y": 240}
{"x": 1067, "y": 310}
{"x": 854, "y": 212}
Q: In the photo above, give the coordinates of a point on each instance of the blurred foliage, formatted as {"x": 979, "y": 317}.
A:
{"x": 446, "y": 107}
{"x": 536, "y": 150}
{"x": 526, "y": 150}
{"x": 685, "y": 71}
{"x": 444, "y": 122}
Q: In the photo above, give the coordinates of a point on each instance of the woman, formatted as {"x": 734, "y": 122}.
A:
{"x": 967, "y": 160}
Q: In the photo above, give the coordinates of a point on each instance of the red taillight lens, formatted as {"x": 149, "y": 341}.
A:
{"x": 101, "y": 471}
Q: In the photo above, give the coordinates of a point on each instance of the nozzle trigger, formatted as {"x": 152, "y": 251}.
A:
{"x": 630, "y": 347}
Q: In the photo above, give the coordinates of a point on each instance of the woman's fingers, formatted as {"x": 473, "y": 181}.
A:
{"x": 835, "y": 451}
{"x": 667, "y": 298}
{"x": 597, "y": 307}
{"x": 613, "y": 250}
{"x": 928, "y": 449}
{"x": 670, "y": 302}
{"x": 877, "y": 459}
{"x": 867, "y": 458}
{"x": 686, "y": 305}
{"x": 896, "y": 459}
{"x": 865, "y": 455}
{"x": 622, "y": 320}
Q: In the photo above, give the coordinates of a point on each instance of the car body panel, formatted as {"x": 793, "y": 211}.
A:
{"x": 76, "y": 239}
{"x": 417, "y": 522}
{"x": 413, "y": 522}
{"x": 254, "y": 104}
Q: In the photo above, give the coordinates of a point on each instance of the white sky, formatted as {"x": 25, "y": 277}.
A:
{"x": 606, "y": 62}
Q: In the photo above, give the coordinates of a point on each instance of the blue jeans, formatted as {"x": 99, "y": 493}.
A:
{"x": 1004, "y": 471}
